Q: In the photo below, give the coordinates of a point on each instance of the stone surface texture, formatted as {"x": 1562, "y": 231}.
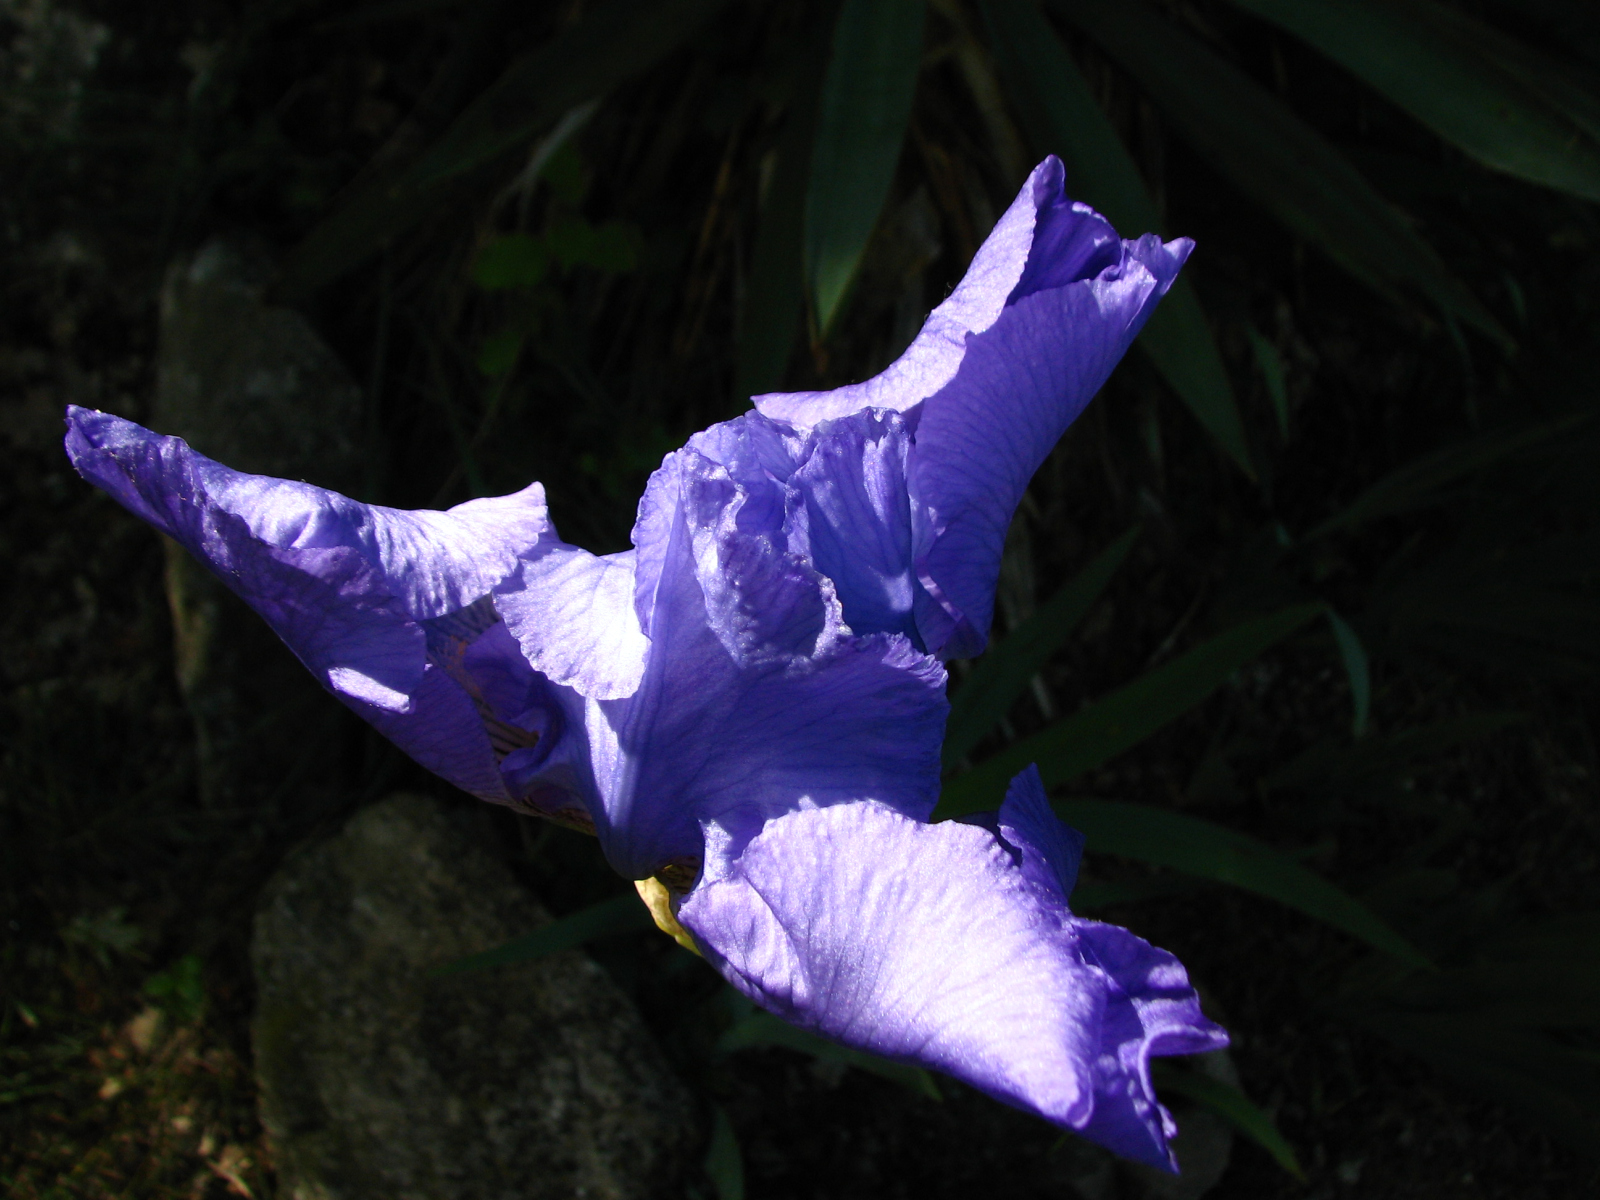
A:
{"x": 381, "y": 1080}
{"x": 252, "y": 385}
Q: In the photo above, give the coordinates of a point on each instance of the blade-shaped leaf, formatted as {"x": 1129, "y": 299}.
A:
{"x": 1538, "y": 973}
{"x": 1484, "y": 1017}
{"x": 1335, "y": 765}
{"x": 764, "y": 1029}
{"x": 1356, "y": 668}
{"x": 861, "y": 125}
{"x": 1062, "y": 116}
{"x": 775, "y": 293}
{"x": 1123, "y": 719}
{"x": 1208, "y": 851}
{"x": 1003, "y": 673}
{"x": 613, "y": 41}
{"x": 1554, "y": 1085}
{"x": 724, "y": 1164}
{"x": 1086, "y": 897}
{"x": 1233, "y": 1106}
{"x": 1516, "y": 627}
{"x": 620, "y": 914}
{"x": 1417, "y": 484}
{"x": 1270, "y": 363}
{"x": 1499, "y": 101}
{"x": 1177, "y": 339}
{"x": 1274, "y": 157}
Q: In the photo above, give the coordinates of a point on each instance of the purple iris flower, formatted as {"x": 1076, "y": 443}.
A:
{"x": 748, "y": 705}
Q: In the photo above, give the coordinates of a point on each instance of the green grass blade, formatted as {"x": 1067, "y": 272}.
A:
{"x": 1334, "y": 765}
{"x": 1417, "y": 484}
{"x": 620, "y": 914}
{"x": 774, "y": 296}
{"x": 1208, "y": 851}
{"x": 1087, "y": 897}
{"x": 1062, "y": 116}
{"x": 1357, "y": 668}
{"x": 1123, "y": 719}
{"x": 1556, "y": 1087}
{"x": 1177, "y": 339}
{"x": 861, "y": 124}
{"x": 612, "y": 42}
{"x": 1003, "y": 673}
{"x": 724, "y": 1164}
{"x": 1514, "y": 1016}
{"x": 1474, "y": 87}
{"x": 1233, "y": 1106}
{"x": 761, "y": 1029}
{"x": 775, "y": 290}
{"x": 1274, "y": 157}
{"x": 1270, "y": 363}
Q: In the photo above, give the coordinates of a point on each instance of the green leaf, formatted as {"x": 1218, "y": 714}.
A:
{"x": 724, "y": 1165}
{"x": 1501, "y": 622}
{"x": 1556, "y": 1086}
{"x": 1205, "y": 850}
{"x": 1356, "y": 668}
{"x": 1274, "y": 157}
{"x": 1123, "y": 719}
{"x": 1501, "y": 102}
{"x": 1178, "y": 342}
{"x": 1335, "y": 765}
{"x": 775, "y": 290}
{"x": 1270, "y": 364}
{"x": 1538, "y": 973}
{"x": 861, "y": 124}
{"x": 1062, "y": 116}
{"x": 610, "y": 246}
{"x": 1003, "y": 673}
{"x": 614, "y": 40}
{"x": 1087, "y": 897}
{"x": 1486, "y": 1017}
{"x": 1416, "y": 485}
{"x": 763, "y": 1029}
{"x": 620, "y": 914}
{"x": 500, "y": 351}
{"x": 180, "y": 990}
{"x": 517, "y": 260}
{"x": 1233, "y": 1106}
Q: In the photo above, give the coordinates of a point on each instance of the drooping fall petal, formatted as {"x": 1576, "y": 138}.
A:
{"x": 952, "y": 947}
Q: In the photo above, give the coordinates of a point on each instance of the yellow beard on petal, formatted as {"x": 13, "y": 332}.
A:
{"x": 658, "y": 898}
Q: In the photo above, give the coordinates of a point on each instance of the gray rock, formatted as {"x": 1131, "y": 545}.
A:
{"x": 252, "y": 385}
{"x": 379, "y": 1080}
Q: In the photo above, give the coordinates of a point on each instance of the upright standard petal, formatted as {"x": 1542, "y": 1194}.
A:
{"x": 1050, "y": 304}
{"x": 951, "y": 946}
{"x": 756, "y": 697}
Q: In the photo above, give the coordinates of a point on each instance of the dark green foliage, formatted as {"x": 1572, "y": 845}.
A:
{"x": 1274, "y": 158}
{"x": 1123, "y": 719}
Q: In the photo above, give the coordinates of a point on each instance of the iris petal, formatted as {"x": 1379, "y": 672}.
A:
{"x": 933, "y": 357}
{"x": 345, "y": 585}
{"x": 851, "y": 490}
{"x": 573, "y": 614}
{"x": 980, "y": 439}
{"x": 756, "y": 698}
{"x": 952, "y": 947}
{"x": 1050, "y": 304}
